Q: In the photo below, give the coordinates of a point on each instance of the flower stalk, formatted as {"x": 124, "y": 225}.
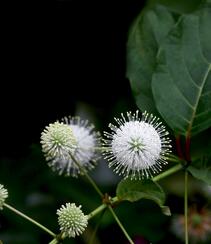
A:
{"x": 29, "y": 219}
{"x": 97, "y": 211}
{"x": 91, "y": 181}
{"x": 120, "y": 225}
{"x": 186, "y": 207}
{"x": 168, "y": 172}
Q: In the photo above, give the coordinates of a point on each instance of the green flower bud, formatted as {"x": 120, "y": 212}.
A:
{"x": 72, "y": 220}
{"x": 58, "y": 142}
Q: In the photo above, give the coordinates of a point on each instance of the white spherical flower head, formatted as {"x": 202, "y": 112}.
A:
{"x": 137, "y": 148}
{"x": 87, "y": 141}
{"x": 3, "y": 196}
{"x": 57, "y": 141}
{"x": 72, "y": 220}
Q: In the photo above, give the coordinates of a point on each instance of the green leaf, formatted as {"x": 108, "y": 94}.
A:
{"x": 135, "y": 190}
{"x": 181, "y": 84}
{"x": 179, "y": 6}
{"x": 201, "y": 169}
{"x": 146, "y": 35}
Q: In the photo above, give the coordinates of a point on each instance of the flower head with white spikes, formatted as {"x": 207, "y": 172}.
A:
{"x": 3, "y": 196}
{"x": 70, "y": 138}
{"x": 72, "y": 220}
{"x": 87, "y": 142}
{"x": 137, "y": 147}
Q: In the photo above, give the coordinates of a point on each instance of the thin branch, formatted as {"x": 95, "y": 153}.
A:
{"x": 29, "y": 219}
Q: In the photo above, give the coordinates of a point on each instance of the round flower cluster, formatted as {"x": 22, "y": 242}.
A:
{"x": 71, "y": 140}
{"x": 57, "y": 141}
{"x": 137, "y": 148}
{"x": 72, "y": 220}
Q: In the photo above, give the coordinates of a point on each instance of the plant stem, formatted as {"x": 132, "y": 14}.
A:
{"x": 97, "y": 210}
{"x": 92, "y": 239}
{"x": 114, "y": 199}
{"x": 173, "y": 158}
{"x": 29, "y": 219}
{"x": 87, "y": 176}
{"x": 186, "y": 207}
{"x": 58, "y": 238}
{"x": 187, "y": 148}
{"x": 102, "y": 207}
{"x": 54, "y": 241}
{"x": 168, "y": 172}
{"x": 120, "y": 225}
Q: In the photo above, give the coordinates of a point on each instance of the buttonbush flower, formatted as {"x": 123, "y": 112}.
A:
{"x": 72, "y": 220}
{"x": 74, "y": 138}
{"x": 58, "y": 143}
{"x": 3, "y": 196}
{"x": 137, "y": 147}
{"x": 87, "y": 142}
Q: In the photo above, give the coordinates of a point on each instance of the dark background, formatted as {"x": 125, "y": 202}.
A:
{"x": 57, "y": 54}
{"x": 60, "y": 58}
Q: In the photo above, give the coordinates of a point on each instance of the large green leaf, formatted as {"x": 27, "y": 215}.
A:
{"x": 146, "y": 35}
{"x": 146, "y": 189}
{"x": 182, "y": 81}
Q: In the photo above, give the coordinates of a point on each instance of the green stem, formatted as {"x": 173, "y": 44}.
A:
{"x": 114, "y": 199}
{"x": 29, "y": 219}
{"x": 54, "y": 241}
{"x": 97, "y": 210}
{"x": 58, "y": 238}
{"x": 120, "y": 225}
{"x": 186, "y": 207}
{"x": 173, "y": 158}
{"x": 168, "y": 172}
{"x": 92, "y": 239}
{"x": 100, "y": 208}
{"x": 103, "y": 206}
{"x": 87, "y": 176}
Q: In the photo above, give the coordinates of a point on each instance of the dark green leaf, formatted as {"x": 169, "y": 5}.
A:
{"x": 145, "y": 37}
{"x": 135, "y": 190}
{"x": 201, "y": 169}
{"x": 182, "y": 81}
{"x": 179, "y": 6}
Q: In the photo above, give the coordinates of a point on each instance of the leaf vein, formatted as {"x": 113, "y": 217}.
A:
{"x": 198, "y": 98}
